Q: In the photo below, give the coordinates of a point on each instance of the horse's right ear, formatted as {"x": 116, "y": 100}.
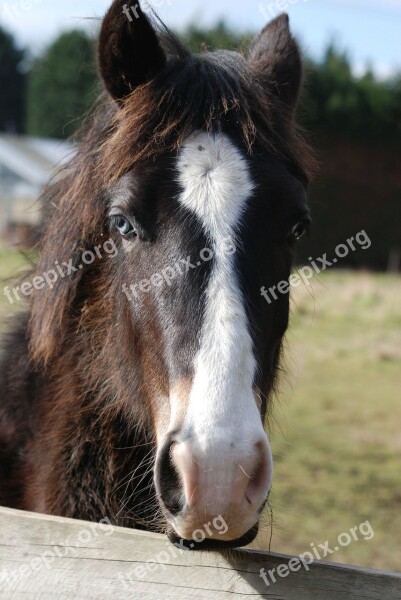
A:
{"x": 129, "y": 52}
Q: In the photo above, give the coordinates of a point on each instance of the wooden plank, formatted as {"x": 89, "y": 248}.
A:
{"x": 52, "y": 558}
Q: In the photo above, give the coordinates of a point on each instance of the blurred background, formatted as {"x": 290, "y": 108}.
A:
{"x": 336, "y": 426}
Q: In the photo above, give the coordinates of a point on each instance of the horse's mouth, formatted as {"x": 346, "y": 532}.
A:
{"x": 213, "y": 544}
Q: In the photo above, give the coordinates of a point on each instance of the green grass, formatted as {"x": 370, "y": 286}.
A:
{"x": 11, "y": 265}
{"x": 336, "y": 425}
{"x": 336, "y": 430}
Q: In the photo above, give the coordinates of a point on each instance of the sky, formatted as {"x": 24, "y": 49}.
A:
{"x": 369, "y": 30}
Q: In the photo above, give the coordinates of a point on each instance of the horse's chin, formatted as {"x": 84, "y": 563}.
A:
{"x": 213, "y": 544}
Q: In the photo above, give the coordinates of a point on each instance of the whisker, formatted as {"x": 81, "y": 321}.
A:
{"x": 243, "y": 470}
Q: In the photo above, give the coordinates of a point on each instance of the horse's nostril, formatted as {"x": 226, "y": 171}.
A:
{"x": 168, "y": 483}
{"x": 260, "y": 481}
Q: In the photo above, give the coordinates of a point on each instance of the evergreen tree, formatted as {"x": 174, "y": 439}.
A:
{"x": 219, "y": 37}
{"x": 62, "y": 86}
{"x": 12, "y": 84}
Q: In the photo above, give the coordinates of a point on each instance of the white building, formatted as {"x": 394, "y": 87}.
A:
{"x": 25, "y": 166}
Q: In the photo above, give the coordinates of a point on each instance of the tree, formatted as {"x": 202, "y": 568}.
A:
{"x": 338, "y": 102}
{"x": 62, "y": 86}
{"x": 219, "y": 37}
{"x": 12, "y": 84}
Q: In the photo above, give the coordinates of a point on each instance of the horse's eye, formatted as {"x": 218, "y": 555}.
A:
{"x": 124, "y": 226}
{"x": 299, "y": 230}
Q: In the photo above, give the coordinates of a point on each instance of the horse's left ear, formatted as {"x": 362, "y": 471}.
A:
{"x": 129, "y": 50}
{"x": 276, "y": 60}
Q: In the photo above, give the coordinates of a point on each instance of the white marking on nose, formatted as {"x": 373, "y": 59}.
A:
{"x": 222, "y": 419}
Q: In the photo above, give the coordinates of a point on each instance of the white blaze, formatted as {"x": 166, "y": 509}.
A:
{"x": 222, "y": 417}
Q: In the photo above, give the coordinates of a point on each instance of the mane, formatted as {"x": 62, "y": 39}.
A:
{"x": 209, "y": 91}
{"x": 200, "y": 92}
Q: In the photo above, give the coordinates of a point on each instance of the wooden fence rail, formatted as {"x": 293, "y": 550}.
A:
{"x": 52, "y": 558}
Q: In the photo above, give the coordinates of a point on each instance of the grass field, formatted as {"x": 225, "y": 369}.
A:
{"x": 336, "y": 430}
{"x": 11, "y": 264}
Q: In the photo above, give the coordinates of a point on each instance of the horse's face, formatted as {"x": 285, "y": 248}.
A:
{"x": 201, "y": 231}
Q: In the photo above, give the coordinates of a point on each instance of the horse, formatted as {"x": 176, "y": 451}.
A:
{"x": 136, "y": 384}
